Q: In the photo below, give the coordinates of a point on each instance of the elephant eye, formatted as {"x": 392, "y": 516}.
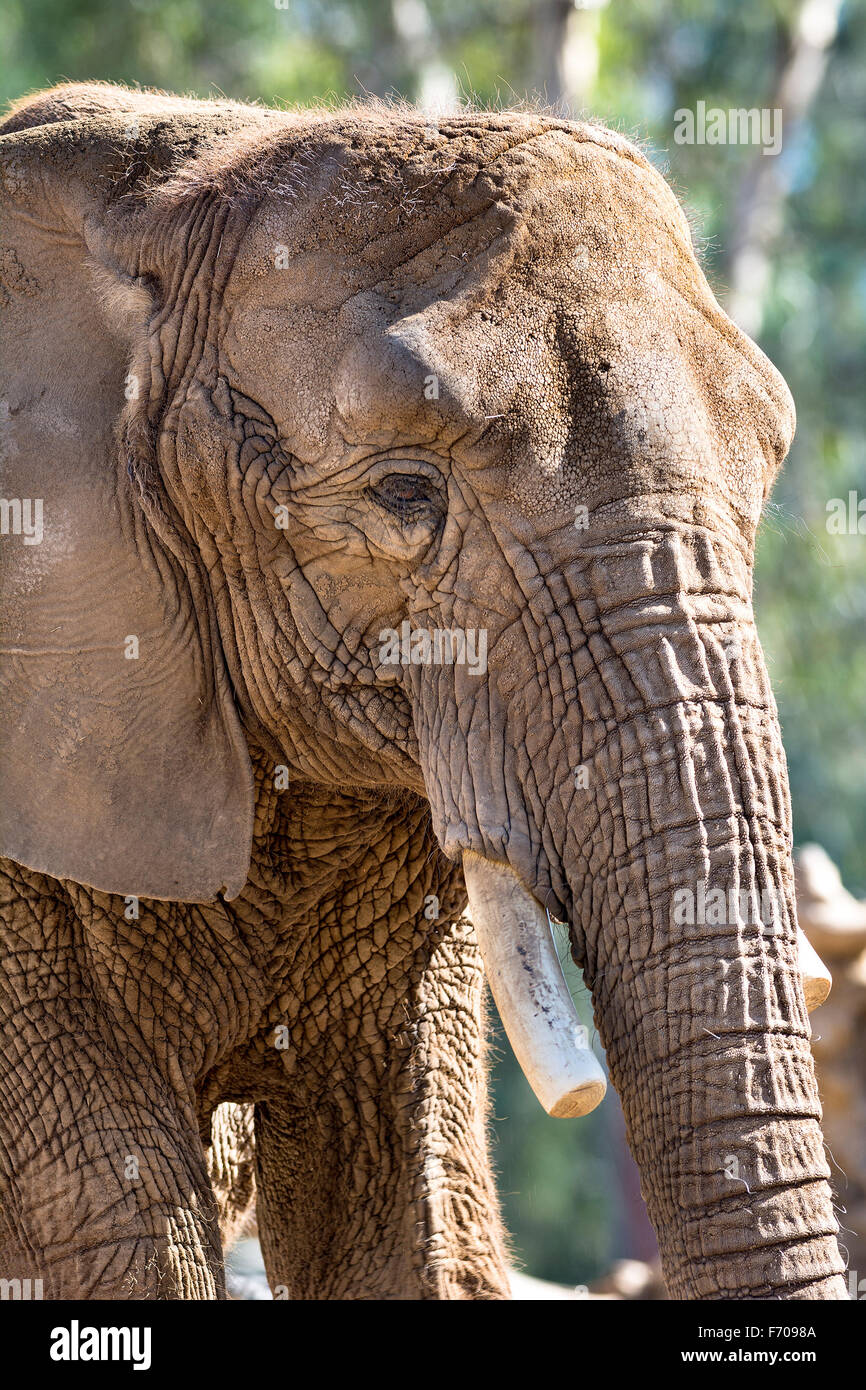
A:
{"x": 410, "y": 497}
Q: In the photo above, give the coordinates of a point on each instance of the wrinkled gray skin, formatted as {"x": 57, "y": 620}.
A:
{"x": 220, "y": 332}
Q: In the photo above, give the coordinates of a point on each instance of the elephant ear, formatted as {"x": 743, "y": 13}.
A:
{"x": 123, "y": 764}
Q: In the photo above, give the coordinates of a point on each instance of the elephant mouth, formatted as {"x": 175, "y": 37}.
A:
{"x": 550, "y": 1043}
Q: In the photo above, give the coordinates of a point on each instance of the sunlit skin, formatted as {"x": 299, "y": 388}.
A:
{"x": 310, "y": 377}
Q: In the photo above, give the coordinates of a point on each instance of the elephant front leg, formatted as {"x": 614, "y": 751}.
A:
{"x": 374, "y": 1181}
{"x": 103, "y": 1188}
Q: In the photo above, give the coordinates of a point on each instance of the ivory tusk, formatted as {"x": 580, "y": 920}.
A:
{"x": 526, "y": 980}
{"x": 816, "y": 978}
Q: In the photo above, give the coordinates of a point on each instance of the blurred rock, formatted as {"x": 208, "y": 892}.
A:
{"x": 832, "y": 918}
{"x": 835, "y": 923}
{"x": 630, "y": 1279}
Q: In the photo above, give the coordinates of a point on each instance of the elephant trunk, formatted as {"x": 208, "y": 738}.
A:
{"x": 708, "y": 1048}
{"x": 660, "y": 798}
{"x": 695, "y": 957}
{"x": 723, "y": 1124}
{"x": 719, "y": 1093}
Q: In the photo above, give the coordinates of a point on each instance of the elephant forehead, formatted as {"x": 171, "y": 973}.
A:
{"x": 441, "y": 344}
{"x": 552, "y": 305}
{"x": 370, "y": 375}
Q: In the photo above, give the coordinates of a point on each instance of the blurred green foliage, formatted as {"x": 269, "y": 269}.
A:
{"x": 653, "y": 57}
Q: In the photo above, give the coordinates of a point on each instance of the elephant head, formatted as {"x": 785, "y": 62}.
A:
{"x": 422, "y": 455}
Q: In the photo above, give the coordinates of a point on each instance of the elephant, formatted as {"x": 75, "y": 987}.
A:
{"x": 380, "y": 499}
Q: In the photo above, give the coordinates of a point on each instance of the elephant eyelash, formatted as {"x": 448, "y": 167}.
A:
{"x": 408, "y": 496}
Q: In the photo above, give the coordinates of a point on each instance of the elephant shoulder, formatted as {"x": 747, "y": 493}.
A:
{"x": 88, "y": 101}
{"x": 71, "y": 101}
